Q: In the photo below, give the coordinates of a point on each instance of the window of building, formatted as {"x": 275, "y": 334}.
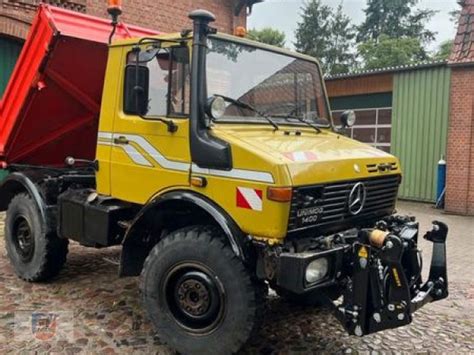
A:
{"x": 373, "y": 126}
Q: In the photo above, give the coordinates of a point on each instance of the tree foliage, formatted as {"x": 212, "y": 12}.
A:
{"x": 268, "y": 35}
{"x": 455, "y": 15}
{"x": 395, "y": 19}
{"x": 389, "y": 52}
{"x": 328, "y": 35}
{"x": 444, "y": 50}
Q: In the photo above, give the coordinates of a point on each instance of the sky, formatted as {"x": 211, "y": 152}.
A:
{"x": 285, "y": 14}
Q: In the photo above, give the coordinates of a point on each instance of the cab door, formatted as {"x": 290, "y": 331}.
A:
{"x": 146, "y": 157}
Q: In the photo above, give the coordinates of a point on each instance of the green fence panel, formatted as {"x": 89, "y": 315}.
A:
{"x": 9, "y": 52}
{"x": 419, "y": 128}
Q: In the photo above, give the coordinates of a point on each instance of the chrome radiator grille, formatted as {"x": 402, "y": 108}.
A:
{"x": 335, "y": 203}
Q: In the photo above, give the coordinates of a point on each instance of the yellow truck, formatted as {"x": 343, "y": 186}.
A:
{"x": 214, "y": 162}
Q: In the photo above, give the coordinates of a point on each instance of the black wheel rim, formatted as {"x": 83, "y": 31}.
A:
{"x": 195, "y": 297}
{"x": 23, "y": 238}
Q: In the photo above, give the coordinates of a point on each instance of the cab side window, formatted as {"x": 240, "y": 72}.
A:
{"x": 168, "y": 83}
{"x": 180, "y": 82}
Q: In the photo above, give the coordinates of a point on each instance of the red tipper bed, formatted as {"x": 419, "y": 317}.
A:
{"x": 51, "y": 105}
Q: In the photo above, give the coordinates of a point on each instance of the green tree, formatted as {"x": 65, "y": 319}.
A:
{"x": 444, "y": 50}
{"x": 390, "y": 52}
{"x": 328, "y": 35}
{"x": 395, "y": 19}
{"x": 341, "y": 58}
{"x": 455, "y": 15}
{"x": 268, "y": 35}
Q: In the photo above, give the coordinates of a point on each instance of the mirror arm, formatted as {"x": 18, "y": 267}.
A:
{"x": 172, "y": 127}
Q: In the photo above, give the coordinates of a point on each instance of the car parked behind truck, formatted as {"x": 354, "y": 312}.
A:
{"x": 214, "y": 162}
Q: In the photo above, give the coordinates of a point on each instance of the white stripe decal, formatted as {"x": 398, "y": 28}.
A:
{"x": 131, "y": 151}
{"x": 105, "y": 135}
{"x": 135, "y": 155}
{"x": 104, "y": 143}
{"x": 156, "y": 155}
{"x": 236, "y": 174}
{"x": 299, "y": 156}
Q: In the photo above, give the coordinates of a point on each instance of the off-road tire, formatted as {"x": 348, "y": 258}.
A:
{"x": 47, "y": 255}
{"x": 243, "y": 298}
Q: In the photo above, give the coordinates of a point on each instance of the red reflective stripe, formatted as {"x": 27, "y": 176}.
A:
{"x": 242, "y": 201}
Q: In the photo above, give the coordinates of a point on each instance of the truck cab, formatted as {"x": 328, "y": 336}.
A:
{"x": 216, "y": 165}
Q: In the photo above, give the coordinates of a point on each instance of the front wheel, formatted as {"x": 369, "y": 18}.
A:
{"x": 198, "y": 294}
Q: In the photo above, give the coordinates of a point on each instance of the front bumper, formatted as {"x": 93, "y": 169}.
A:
{"x": 377, "y": 272}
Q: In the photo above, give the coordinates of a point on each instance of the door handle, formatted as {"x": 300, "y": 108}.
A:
{"x": 121, "y": 140}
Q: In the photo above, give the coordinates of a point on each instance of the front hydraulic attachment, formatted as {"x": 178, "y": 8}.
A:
{"x": 384, "y": 287}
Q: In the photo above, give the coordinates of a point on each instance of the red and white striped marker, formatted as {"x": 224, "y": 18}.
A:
{"x": 300, "y": 157}
{"x": 251, "y": 199}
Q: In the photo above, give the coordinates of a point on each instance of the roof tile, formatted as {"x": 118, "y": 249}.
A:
{"x": 463, "y": 49}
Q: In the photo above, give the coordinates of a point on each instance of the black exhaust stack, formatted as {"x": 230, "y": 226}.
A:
{"x": 207, "y": 151}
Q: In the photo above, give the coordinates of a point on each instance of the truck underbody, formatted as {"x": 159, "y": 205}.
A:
{"x": 372, "y": 278}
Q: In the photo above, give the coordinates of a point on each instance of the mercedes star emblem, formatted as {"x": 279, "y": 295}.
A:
{"x": 356, "y": 199}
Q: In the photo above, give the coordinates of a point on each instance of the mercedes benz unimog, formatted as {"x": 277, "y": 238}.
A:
{"x": 213, "y": 161}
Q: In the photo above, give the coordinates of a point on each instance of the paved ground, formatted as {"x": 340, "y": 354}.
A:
{"x": 104, "y": 313}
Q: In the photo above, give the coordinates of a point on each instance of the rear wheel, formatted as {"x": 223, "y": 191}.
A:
{"x": 198, "y": 294}
{"x": 34, "y": 254}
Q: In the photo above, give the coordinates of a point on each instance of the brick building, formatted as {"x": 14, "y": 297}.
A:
{"x": 420, "y": 113}
{"x": 460, "y": 173}
{"x": 162, "y": 15}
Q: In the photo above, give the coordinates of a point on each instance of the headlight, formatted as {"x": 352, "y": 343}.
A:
{"x": 348, "y": 118}
{"x": 216, "y": 107}
{"x": 316, "y": 270}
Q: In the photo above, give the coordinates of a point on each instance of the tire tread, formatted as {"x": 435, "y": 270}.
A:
{"x": 53, "y": 255}
{"x": 256, "y": 290}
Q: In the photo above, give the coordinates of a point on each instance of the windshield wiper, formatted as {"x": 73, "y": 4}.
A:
{"x": 251, "y": 108}
{"x": 289, "y": 116}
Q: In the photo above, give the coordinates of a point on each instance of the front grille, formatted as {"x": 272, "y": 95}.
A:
{"x": 328, "y": 204}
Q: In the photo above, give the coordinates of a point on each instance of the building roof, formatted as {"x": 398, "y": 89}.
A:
{"x": 394, "y": 69}
{"x": 463, "y": 50}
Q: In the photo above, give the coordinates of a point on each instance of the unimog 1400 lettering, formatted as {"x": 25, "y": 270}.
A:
{"x": 214, "y": 162}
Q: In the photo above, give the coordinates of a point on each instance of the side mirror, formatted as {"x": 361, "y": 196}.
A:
{"x": 348, "y": 119}
{"x": 136, "y": 96}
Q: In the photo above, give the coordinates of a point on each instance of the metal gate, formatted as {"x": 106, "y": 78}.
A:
{"x": 9, "y": 52}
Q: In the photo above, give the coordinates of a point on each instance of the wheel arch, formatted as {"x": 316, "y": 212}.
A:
{"x": 16, "y": 183}
{"x": 193, "y": 208}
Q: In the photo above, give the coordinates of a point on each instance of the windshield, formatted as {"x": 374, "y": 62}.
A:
{"x": 282, "y": 87}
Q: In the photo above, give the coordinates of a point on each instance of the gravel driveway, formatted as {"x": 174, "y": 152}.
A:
{"x": 101, "y": 313}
